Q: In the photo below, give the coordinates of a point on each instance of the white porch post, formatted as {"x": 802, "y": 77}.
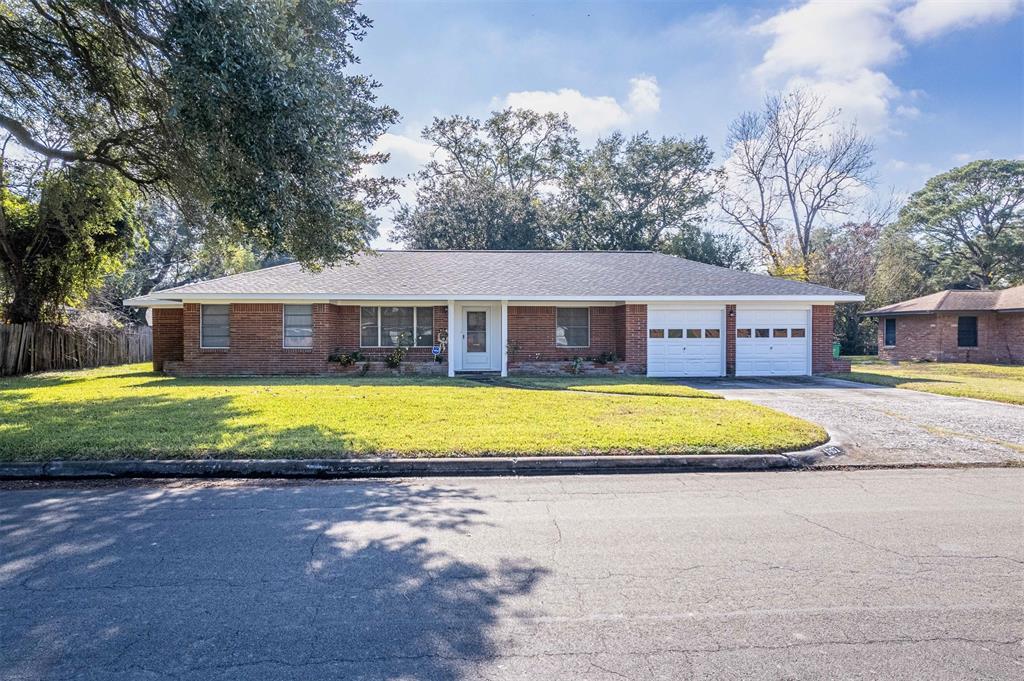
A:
{"x": 453, "y": 335}
{"x": 504, "y": 337}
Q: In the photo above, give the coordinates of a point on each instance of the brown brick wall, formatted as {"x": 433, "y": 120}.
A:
{"x": 257, "y": 340}
{"x": 730, "y": 340}
{"x": 933, "y": 337}
{"x": 532, "y": 329}
{"x": 822, "y": 335}
{"x": 168, "y": 343}
{"x": 635, "y": 351}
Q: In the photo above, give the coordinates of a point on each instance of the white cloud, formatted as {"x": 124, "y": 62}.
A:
{"x": 929, "y": 18}
{"x": 968, "y": 156}
{"x": 402, "y": 147}
{"x": 592, "y": 116}
{"x": 829, "y": 38}
{"x": 644, "y": 95}
{"x": 839, "y": 49}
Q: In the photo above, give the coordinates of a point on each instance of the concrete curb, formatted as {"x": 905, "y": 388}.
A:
{"x": 390, "y": 468}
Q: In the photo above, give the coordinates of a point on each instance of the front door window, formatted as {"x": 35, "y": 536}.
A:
{"x": 476, "y": 331}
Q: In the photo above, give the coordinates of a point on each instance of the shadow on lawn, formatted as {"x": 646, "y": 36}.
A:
{"x": 148, "y": 425}
{"x": 198, "y": 581}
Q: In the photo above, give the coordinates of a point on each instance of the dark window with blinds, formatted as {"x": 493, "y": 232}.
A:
{"x": 967, "y": 332}
{"x": 890, "y": 332}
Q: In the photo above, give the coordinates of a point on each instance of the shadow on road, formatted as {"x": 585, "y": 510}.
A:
{"x": 210, "y": 581}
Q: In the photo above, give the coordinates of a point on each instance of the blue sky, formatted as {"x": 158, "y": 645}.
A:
{"x": 936, "y": 83}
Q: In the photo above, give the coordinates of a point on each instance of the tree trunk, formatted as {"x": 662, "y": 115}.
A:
{"x": 24, "y": 308}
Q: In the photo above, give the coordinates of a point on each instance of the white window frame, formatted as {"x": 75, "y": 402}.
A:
{"x": 284, "y": 327}
{"x": 202, "y": 342}
{"x": 572, "y": 307}
{"x": 415, "y": 326}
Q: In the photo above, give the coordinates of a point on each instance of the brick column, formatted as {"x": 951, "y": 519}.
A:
{"x": 822, "y": 333}
{"x": 635, "y": 322}
{"x": 730, "y": 340}
{"x": 168, "y": 340}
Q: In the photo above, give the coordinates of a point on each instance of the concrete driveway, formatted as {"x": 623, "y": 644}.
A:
{"x": 876, "y": 424}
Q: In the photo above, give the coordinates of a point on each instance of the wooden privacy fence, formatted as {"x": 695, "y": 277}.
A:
{"x": 25, "y": 348}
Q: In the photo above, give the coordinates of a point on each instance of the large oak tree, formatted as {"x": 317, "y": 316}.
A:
{"x": 248, "y": 109}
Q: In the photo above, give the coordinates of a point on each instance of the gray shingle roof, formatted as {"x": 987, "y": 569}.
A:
{"x": 956, "y": 301}
{"x": 512, "y": 274}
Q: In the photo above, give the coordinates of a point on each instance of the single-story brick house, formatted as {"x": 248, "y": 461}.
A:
{"x": 954, "y": 326}
{"x": 498, "y": 311}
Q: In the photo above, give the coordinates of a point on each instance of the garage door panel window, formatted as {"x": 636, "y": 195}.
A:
{"x": 656, "y": 333}
{"x": 572, "y": 327}
{"x": 712, "y": 333}
{"x": 761, "y": 333}
{"x": 693, "y": 333}
{"x": 675, "y": 333}
{"x": 798, "y": 333}
{"x": 743, "y": 333}
{"x": 780, "y": 333}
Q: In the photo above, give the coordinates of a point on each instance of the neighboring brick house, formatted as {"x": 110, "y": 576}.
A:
{"x": 954, "y": 326}
{"x": 498, "y": 311}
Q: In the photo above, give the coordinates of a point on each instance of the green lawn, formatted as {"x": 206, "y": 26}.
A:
{"x": 983, "y": 381}
{"x": 128, "y": 411}
{"x": 617, "y": 385}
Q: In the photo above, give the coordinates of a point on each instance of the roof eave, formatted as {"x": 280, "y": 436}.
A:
{"x": 181, "y": 298}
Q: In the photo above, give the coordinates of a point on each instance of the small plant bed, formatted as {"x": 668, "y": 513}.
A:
{"x": 996, "y": 382}
{"x": 616, "y": 385}
{"x": 130, "y": 412}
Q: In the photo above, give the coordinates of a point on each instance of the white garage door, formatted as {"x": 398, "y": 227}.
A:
{"x": 771, "y": 342}
{"x": 685, "y": 342}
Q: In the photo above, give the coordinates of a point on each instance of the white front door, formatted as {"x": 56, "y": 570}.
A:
{"x": 477, "y": 339}
{"x": 772, "y": 342}
{"x": 685, "y": 342}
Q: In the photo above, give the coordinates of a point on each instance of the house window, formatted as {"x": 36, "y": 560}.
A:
{"x": 214, "y": 326}
{"x": 890, "y": 332}
{"x": 967, "y": 332}
{"x": 389, "y": 327}
{"x": 298, "y": 326}
{"x": 572, "y": 327}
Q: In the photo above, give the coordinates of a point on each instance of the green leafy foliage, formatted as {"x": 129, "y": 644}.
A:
{"x": 249, "y": 110}
{"x": 520, "y": 180}
{"x": 57, "y": 242}
{"x": 345, "y": 358}
{"x": 634, "y": 193}
{"x": 970, "y": 223}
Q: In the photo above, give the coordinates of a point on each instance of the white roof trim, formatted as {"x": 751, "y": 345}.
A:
{"x": 329, "y": 298}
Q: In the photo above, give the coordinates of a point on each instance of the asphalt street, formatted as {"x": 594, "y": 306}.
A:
{"x": 915, "y": 574}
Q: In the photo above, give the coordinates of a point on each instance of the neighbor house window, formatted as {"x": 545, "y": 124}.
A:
{"x": 572, "y": 327}
{"x": 298, "y": 326}
{"x": 388, "y": 327}
{"x": 890, "y": 332}
{"x": 214, "y": 329}
{"x": 967, "y": 332}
